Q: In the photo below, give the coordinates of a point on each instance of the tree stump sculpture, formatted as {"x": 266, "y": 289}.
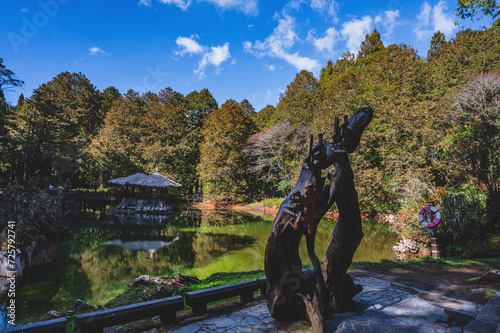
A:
{"x": 291, "y": 294}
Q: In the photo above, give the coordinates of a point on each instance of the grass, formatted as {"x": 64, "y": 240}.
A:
{"x": 146, "y": 292}
{"x": 149, "y": 291}
{"x": 268, "y": 203}
{"x": 431, "y": 263}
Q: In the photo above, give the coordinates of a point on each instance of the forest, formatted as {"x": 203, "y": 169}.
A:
{"x": 435, "y": 134}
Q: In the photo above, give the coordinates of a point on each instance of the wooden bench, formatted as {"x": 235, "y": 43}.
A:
{"x": 262, "y": 282}
{"x": 49, "y": 326}
{"x": 198, "y": 300}
{"x": 96, "y": 321}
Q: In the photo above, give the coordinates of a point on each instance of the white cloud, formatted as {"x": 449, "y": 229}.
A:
{"x": 326, "y": 6}
{"x": 443, "y": 21}
{"x": 327, "y": 43}
{"x": 247, "y": 46}
{"x": 388, "y": 20}
{"x": 248, "y": 7}
{"x": 24, "y": 10}
{"x": 279, "y": 43}
{"x": 271, "y": 68}
{"x": 182, "y": 4}
{"x": 300, "y": 62}
{"x": 355, "y": 31}
{"x": 188, "y": 45}
{"x": 95, "y": 50}
{"x": 431, "y": 19}
{"x": 216, "y": 56}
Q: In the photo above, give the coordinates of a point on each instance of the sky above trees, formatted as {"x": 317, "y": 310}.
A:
{"x": 239, "y": 49}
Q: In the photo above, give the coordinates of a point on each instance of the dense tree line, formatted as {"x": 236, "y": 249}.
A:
{"x": 434, "y": 135}
{"x": 435, "y": 132}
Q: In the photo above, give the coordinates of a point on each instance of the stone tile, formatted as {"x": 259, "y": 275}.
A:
{"x": 250, "y": 321}
{"x": 469, "y": 307}
{"x": 381, "y": 307}
{"x": 191, "y": 328}
{"x": 225, "y": 322}
{"x": 207, "y": 322}
{"x": 263, "y": 330}
{"x": 238, "y": 316}
{"x": 266, "y": 319}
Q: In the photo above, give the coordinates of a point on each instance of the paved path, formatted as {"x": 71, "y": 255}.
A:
{"x": 382, "y": 306}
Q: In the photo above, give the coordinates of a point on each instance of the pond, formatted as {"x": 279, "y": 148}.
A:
{"x": 98, "y": 258}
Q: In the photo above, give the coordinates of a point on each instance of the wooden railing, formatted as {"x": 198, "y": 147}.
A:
{"x": 166, "y": 308}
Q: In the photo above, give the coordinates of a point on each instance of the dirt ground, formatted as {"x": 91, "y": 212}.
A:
{"x": 476, "y": 285}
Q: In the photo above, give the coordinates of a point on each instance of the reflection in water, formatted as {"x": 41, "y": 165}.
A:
{"x": 142, "y": 219}
{"x": 98, "y": 259}
{"x": 152, "y": 246}
{"x": 142, "y": 245}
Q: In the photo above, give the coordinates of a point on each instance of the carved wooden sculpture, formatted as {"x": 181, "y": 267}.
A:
{"x": 293, "y": 295}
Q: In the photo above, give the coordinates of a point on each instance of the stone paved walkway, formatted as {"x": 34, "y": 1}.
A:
{"x": 382, "y": 306}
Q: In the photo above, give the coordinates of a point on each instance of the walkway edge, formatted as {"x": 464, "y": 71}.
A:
{"x": 488, "y": 320}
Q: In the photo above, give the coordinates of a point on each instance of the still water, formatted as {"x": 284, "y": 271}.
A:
{"x": 98, "y": 258}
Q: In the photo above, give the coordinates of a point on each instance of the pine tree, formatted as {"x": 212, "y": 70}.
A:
{"x": 223, "y": 166}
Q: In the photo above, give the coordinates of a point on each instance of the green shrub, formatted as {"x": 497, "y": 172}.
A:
{"x": 36, "y": 213}
{"x": 463, "y": 222}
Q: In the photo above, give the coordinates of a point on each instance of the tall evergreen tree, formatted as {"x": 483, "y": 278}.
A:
{"x": 299, "y": 102}
{"x": 264, "y": 119}
{"x": 8, "y": 80}
{"x": 56, "y": 124}
{"x": 247, "y": 107}
{"x": 223, "y": 166}
{"x": 437, "y": 43}
{"x": 200, "y": 105}
{"x": 370, "y": 45}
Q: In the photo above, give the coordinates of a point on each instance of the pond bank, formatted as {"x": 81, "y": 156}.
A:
{"x": 446, "y": 284}
{"x": 98, "y": 259}
{"x": 274, "y": 210}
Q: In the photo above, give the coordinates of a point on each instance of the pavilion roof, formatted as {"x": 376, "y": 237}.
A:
{"x": 141, "y": 179}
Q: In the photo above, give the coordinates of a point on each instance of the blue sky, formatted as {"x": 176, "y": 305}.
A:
{"x": 236, "y": 48}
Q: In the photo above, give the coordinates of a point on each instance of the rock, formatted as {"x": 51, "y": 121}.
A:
{"x": 478, "y": 291}
{"x": 82, "y": 307}
{"x": 161, "y": 279}
{"x": 187, "y": 279}
{"x": 176, "y": 284}
{"x": 143, "y": 279}
{"x": 36, "y": 253}
{"x": 490, "y": 278}
{"x": 406, "y": 246}
{"x": 20, "y": 264}
{"x": 52, "y": 314}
